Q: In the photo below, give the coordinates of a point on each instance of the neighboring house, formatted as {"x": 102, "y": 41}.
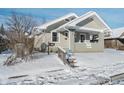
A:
{"x": 79, "y": 34}
{"x": 116, "y": 40}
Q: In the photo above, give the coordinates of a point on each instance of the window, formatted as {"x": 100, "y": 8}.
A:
{"x": 94, "y": 38}
{"x": 54, "y": 36}
{"x": 66, "y": 34}
{"x": 82, "y": 38}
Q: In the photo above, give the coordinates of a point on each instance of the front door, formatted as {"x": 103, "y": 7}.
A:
{"x": 82, "y": 37}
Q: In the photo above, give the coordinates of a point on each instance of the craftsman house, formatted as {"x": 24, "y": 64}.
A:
{"x": 76, "y": 33}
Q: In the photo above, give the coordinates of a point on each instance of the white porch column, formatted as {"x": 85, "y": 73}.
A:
{"x": 69, "y": 39}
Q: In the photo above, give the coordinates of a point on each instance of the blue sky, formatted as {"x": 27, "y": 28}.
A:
{"x": 114, "y": 17}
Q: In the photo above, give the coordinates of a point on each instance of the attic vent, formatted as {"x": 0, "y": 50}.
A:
{"x": 67, "y": 20}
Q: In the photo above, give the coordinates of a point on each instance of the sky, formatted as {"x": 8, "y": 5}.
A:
{"x": 114, "y": 17}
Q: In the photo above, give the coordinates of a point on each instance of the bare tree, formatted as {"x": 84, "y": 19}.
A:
{"x": 21, "y": 41}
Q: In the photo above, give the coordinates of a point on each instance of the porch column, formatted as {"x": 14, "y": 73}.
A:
{"x": 69, "y": 34}
{"x": 87, "y": 36}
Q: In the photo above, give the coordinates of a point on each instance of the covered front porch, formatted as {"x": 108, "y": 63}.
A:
{"x": 84, "y": 39}
{"x": 88, "y": 40}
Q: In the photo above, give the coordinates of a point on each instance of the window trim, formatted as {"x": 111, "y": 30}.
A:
{"x": 96, "y": 40}
{"x": 80, "y": 38}
{"x": 52, "y": 37}
{"x": 66, "y": 33}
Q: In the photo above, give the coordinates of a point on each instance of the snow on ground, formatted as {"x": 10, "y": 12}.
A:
{"x": 94, "y": 68}
{"x": 108, "y": 57}
{"x": 41, "y": 62}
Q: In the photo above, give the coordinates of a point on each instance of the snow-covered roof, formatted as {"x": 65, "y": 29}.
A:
{"x": 118, "y": 33}
{"x": 54, "y": 24}
{"x": 88, "y": 15}
{"x": 67, "y": 24}
{"x": 83, "y": 17}
{"x": 44, "y": 26}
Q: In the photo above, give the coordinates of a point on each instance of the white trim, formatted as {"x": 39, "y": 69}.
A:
{"x": 58, "y": 37}
{"x": 61, "y": 49}
{"x": 85, "y": 16}
{"x": 78, "y": 17}
{"x": 69, "y": 40}
{"x": 102, "y": 21}
{"x": 81, "y": 18}
{"x": 66, "y": 33}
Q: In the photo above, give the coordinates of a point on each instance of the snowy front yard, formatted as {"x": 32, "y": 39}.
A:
{"x": 94, "y": 68}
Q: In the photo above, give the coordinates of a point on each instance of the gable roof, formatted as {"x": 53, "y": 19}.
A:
{"x": 82, "y": 18}
{"x": 87, "y": 15}
{"x": 55, "y": 23}
{"x": 44, "y": 26}
{"x": 66, "y": 25}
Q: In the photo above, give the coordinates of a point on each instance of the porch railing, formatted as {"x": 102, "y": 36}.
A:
{"x": 62, "y": 54}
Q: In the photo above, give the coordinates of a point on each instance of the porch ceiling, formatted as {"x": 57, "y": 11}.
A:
{"x": 80, "y": 29}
